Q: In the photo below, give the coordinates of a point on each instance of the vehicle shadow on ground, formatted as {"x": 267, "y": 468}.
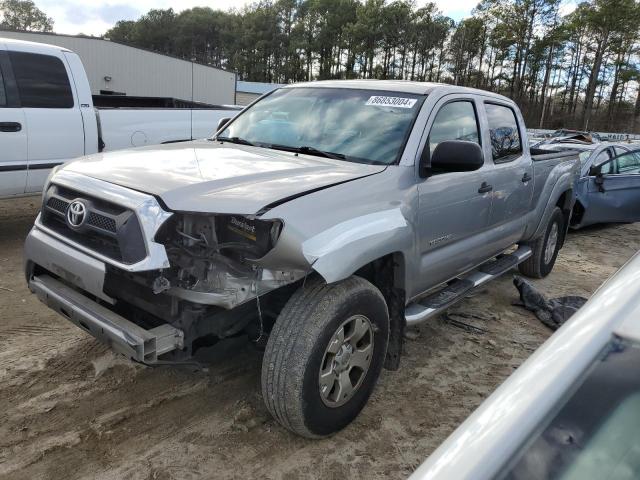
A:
{"x": 598, "y": 227}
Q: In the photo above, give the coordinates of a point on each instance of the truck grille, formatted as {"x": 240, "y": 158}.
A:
{"x": 58, "y": 205}
{"x": 109, "y": 229}
{"x": 102, "y": 222}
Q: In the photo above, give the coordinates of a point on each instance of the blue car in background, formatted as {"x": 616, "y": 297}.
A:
{"x": 608, "y": 190}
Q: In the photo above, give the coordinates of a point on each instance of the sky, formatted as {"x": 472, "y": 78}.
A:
{"x": 94, "y": 17}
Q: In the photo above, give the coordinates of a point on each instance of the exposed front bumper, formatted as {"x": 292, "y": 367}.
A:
{"x": 57, "y": 257}
{"x": 120, "y": 334}
{"x": 88, "y": 274}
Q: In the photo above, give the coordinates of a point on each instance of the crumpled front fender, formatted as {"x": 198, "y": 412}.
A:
{"x": 339, "y": 251}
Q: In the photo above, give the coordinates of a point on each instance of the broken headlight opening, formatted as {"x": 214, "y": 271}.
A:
{"x": 213, "y": 257}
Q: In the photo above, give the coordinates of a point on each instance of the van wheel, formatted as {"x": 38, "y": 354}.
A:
{"x": 324, "y": 355}
{"x": 545, "y": 249}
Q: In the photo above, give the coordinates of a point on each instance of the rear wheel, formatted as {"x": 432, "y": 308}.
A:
{"x": 324, "y": 356}
{"x": 546, "y": 248}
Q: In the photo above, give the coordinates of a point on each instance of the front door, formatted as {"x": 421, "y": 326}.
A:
{"x": 13, "y": 134}
{"x": 454, "y": 207}
{"x": 613, "y": 191}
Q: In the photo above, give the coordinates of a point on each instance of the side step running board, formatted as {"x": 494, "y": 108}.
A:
{"x": 116, "y": 331}
{"x": 431, "y": 305}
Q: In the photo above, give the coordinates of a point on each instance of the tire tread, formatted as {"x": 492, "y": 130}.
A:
{"x": 532, "y": 267}
{"x": 299, "y": 322}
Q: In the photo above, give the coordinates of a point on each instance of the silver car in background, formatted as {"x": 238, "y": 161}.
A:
{"x": 571, "y": 411}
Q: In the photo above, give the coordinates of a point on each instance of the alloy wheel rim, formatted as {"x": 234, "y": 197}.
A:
{"x": 346, "y": 361}
{"x": 552, "y": 242}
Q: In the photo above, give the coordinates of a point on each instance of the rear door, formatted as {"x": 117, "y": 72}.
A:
{"x": 13, "y": 133}
{"x": 614, "y": 190}
{"x": 56, "y": 132}
{"x": 512, "y": 175}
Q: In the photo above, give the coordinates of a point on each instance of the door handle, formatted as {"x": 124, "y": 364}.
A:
{"x": 485, "y": 187}
{"x": 10, "y": 127}
{"x": 526, "y": 177}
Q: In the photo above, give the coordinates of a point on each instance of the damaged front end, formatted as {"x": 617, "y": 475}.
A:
{"x": 150, "y": 282}
{"x": 215, "y": 259}
{"x": 214, "y": 287}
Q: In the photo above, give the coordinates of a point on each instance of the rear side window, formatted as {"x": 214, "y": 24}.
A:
{"x": 454, "y": 121}
{"x": 506, "y": 143}
{"x": 42, "y": 81}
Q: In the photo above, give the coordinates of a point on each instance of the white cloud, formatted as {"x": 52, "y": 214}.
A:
{"x": 97, "y": 16}
{"x": 456, "y": 9}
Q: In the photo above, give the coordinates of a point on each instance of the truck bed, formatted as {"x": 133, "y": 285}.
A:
{"x": 544, "y": 161}
{"x": 129, "y": 101}
{"x": 138, "y": 121}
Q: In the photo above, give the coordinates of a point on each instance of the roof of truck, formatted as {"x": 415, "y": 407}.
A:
{"x": 44, "y": 46}
{"x": 407, "y": 86}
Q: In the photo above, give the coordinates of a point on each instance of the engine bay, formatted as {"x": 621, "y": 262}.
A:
{"x": 213, "y": 257}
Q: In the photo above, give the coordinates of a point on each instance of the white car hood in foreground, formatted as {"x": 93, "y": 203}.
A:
{"x": 208, "y": 176}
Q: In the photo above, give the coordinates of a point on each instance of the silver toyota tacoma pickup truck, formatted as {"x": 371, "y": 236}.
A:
{"x": 321, "y": 222}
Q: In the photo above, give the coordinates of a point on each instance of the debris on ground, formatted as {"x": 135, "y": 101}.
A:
{"x": 454, "y": 319}
{"x": 553, "y": 313}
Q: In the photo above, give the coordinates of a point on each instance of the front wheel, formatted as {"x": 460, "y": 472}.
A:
{"x": 324, "y": 356}
{"x": 546, "y": 248}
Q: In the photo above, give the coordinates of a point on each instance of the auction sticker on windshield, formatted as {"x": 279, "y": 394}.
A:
{"x": 399, "y": 102}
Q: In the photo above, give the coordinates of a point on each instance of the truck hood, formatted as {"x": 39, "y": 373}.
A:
{"x": 207, "y": 176}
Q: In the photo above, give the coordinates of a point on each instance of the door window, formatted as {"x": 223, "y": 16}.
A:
{"x": 454, "y": 121}
{"x": 42, "y": 80}
{"x": 584, "y": 156}
{"x": 629, "y": 163}
{"x": 603, "y": 156}
{"x": 506, "y": 144}
{"x": 620, "y": 150}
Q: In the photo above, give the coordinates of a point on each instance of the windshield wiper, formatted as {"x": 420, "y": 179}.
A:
{"x": 237, "y": 140}
{"x": 307, "y": 150}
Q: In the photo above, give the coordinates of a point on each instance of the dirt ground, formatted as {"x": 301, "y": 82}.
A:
{"x": 70, "y": 409}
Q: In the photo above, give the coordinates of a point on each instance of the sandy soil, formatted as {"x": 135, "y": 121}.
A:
{"x": 71, "y": 409}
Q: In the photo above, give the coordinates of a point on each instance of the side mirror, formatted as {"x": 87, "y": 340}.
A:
{"x": 456, "y": 156}
{"x": 222, "y": 123}
{"x": 595, "y": 172}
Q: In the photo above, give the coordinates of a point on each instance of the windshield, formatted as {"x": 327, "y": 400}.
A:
{"x": 356, "y": 125}
{"x": 584, "y": 156}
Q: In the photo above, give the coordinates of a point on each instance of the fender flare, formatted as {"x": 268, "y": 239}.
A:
{"x": 343, "y": 249}
{"x": 564, "y": 184}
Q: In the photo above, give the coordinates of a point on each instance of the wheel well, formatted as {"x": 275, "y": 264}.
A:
{"x": 387, "y": 274}
{"x": 565, "y": 204}
{"x": 577, "y": 213}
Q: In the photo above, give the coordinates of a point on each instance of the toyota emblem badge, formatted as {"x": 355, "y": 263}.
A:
{"x": 76, "y": 214}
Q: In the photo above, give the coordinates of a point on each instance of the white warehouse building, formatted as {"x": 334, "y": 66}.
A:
{"x": 247, "y": 92}
{"x": 116, "y": 68}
